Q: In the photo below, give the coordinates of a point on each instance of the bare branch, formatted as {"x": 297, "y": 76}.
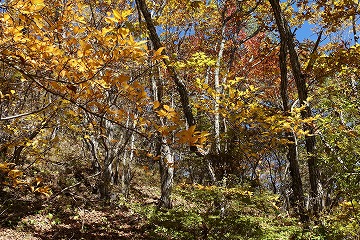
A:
{"x": 25, "y": 114}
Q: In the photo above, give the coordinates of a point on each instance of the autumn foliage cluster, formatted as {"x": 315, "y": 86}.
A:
{"x": 225, "y": 102}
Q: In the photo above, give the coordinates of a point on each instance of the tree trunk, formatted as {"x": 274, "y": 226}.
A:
{"x": 104, "y": 160}
{"x": 18, "y": 149}
{"x": 166, "y": 175}
{"x": 126, "y": 175}
{"x": 218, "y": 92}
{"x": 166, "y": 163}
{"x": 180, "y": 86}
{"x": 296, "y": 185}
{"x": 127, "y": 161}
{"x": 93, "y": 147}
{"x": 105, "y": 181}
{"x": 300, "y": 80}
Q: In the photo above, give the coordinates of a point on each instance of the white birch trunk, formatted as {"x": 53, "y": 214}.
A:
{"x": 218, "y": 92}
{"x": 127, "y": 162}
{"x": 167, "y": 175}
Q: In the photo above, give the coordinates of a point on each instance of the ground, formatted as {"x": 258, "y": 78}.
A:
{"x": 71, "y": 216}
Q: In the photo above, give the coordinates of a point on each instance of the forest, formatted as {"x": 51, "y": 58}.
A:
{"x": 193, "y": 119}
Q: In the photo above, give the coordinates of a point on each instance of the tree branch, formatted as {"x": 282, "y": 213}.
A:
{"x": 184, "y": 98}
{"x": 25, "y": 114}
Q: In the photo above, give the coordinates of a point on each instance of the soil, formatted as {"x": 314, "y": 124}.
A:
{"x": 67, "y": 216}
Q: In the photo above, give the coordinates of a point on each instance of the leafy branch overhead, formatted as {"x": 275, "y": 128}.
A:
{"x": 205, "y": 119}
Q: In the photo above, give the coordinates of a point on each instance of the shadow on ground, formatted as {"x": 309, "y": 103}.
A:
{"x": 68, "y": 218}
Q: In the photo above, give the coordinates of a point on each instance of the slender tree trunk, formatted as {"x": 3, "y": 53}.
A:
{"x": 211, "y": 171}
{"x": 166, "y": 175}
{"x": 180, "y": 86}
{"x": 127, "y": 161}
{"x": 300, "y": 80}
{"x": 93, "y": 146}
{"x": 353, "y": 22}
{"x": 116, "y": 177}
{"x": 18, "y": 149}
{"x": 218, "y": 92}
{"x": 126, "y": 172}
{"x": 105, "y": 180}
{"x": 209, "y": 165}
{"x": 296, "y": 185}
{"x": 166, "y": 163}
{"x": 106, "y": 171}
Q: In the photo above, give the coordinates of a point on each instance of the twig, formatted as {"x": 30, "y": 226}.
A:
{"x": 72, "y": 186}
{"x": 25, "y": 114}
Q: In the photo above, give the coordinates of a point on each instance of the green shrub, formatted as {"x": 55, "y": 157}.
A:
{"x": 209, "y": 212}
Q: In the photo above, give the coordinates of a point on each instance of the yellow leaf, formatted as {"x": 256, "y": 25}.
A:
{"x": 37, "y": 5}
{"x": 6, "y": 17}
{"x": 81, "y": 20}
{"x": 38, "y": 2}
{"x": 78, "y": 30}
{"x": 141, "y": 42}
{"x": 168, "y": 108}
{"x": 38, "y": 22}
{"x": 44, "y": 190}
{"x": 18, "y": 36}
{"x": 161, "y": 113}
{"x": 80, "y": 54}
{"x": 12, "y": 91}
{"x": 117, "y": 14}
{"x": 73, "y": 113}
{"x": 158, "y": 52}
{"x": 286, "y": 125}
{"x": 192, "y": 129}
{"x": 126, "y": 13}
{"x": 123, "y": 78}
{"x": 120, "y": 17}
{"x": 156, "y": 104}
{"x": 105, "y": 30}
{"x": 6, "y": 166}
{"x": 38, "y": 180}
{"x": 18, "y": 182}
{"x": 15, "y": 173}
{"x": 187, "y": 136}
{"x": 143, "y": 94}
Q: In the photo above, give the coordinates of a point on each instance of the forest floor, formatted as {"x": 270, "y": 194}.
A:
{"x": 71, "y": 216}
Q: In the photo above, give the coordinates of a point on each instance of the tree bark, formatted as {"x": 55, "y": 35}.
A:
{"x": 105, "y": 154}
{"x": 105, "y": 180}
{"x": 166, "y": 175}
{"x": 127, "y": 161}
{"x": 93, "y": 146}
{"x": 218, "y": 92}
{"x": 18, "y": 149}
{"x": 166, "y": 163}
{"x": 296, "y": 185}
{"x": 184, "y": 97}
{"x": 300, "y": 80}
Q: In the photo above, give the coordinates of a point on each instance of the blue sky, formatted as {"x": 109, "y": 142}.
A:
{"x": 305, "y": 32}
